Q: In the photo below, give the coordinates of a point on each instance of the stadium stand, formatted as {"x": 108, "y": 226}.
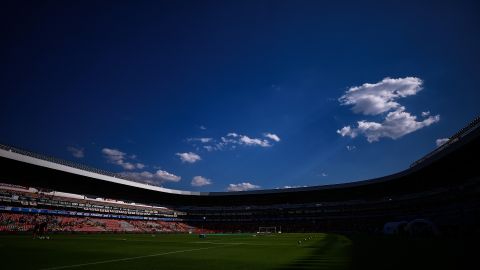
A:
{"x": 12, "y": 222}
{"x": 18, "y": 195}
{"x": 22, "y": 208}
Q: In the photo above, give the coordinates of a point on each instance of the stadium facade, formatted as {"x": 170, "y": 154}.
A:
{"x": 442, "y": 187}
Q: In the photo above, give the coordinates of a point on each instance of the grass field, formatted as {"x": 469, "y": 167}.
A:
{"x": 280, "y": 251}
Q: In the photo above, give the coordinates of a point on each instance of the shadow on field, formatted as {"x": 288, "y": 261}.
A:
{"x": 331, "y": 252}
{"x": 405, "y": 253}
{"x": 389, "y": 253}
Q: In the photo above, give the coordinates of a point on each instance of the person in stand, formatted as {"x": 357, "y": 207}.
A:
{"x": 36, "y": 227}
{"x": 42, "y": 229}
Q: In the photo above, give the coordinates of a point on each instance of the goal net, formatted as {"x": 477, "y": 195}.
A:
{"x": 267, "y": 230}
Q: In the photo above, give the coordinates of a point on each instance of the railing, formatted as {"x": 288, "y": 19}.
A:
{"x": 65, "y": 163}
{"x": 473, "y": 125}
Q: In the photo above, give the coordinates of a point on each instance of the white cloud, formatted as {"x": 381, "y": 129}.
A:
{"x": 120, "y": 158}
{"x": 128, "y": 166}
{"x": 272, "y": 136}
{"x": 76, "y": 152}
{"x": 142, "y": 177}
{"x": 233, "y": 139}
{"x": 351, "y": 147}
{"x": 232, "y": 134}
{"x": 378, "y": 98}
{"x": 203, "y": 128}
{"x": 347, "y": 130}
{"x": 324, "y": 174}
{"x": 291, "y": 187}
{"x": 441, "y": 141}
{"x": 396, "y": 124}
{"x": 113, "y": 154}
{"x": 200, "y": 181}
{"x": 209, "y": 148}
{"x": 202, "y": 140}
{"x": 253, "y": 141}
{"x": 167, "y": 176}
{"x": 189, "y": 157}
{"x": 156, "y": 178}
{"x": 242, "y": 187}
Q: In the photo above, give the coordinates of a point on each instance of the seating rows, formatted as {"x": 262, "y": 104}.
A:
{"x": 27, "y": 197}
{"x": 13, "y": 222}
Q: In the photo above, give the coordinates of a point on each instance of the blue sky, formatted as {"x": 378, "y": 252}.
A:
{"x": 235, "y": 95}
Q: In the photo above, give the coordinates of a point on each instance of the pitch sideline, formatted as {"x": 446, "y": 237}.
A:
{"x": 128, "y": 259}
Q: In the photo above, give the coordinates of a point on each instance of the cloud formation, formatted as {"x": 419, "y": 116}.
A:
{"x": 379, "y": 98}
{"x": 396, "y": 124}
{"x": 200, "y": 181}
{"x": 120, "y": 158}
{"x": 156, "y": 178}
{"x": 168, "y": 176}
{"x": 441, "y": 141}
{"x": 425, "y": 114}
{"x": 202, "y": 140}
{"x": 286, "y": 187}
{"x": 242, "y": 187}
{"x": 272, "y": 136}
{"x": 189, "y": 157}
{"x": 76, "y": 152}
{"x": 232, "y": 140}
{"x": 245, "y": 140}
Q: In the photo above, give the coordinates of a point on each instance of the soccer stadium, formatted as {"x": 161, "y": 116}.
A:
{"x": 239, "y": 135}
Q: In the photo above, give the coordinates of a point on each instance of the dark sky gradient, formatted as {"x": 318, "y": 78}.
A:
{"x": 143, "y": 76}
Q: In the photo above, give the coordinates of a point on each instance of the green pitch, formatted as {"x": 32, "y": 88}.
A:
{"x": 124, "y": 251}
{"x": 230, "y": 252}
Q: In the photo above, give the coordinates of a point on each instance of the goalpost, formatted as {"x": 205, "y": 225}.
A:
{"x": 267, "y": 230}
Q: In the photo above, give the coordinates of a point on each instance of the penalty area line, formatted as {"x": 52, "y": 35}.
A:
{"x": 128, "y": 259}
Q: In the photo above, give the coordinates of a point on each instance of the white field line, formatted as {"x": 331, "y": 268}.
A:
{"x": 126, "y": 259}
{"x": 153, "y": 240}
{"x": 246, "y": 244}
{"x": 193, "y": 242}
